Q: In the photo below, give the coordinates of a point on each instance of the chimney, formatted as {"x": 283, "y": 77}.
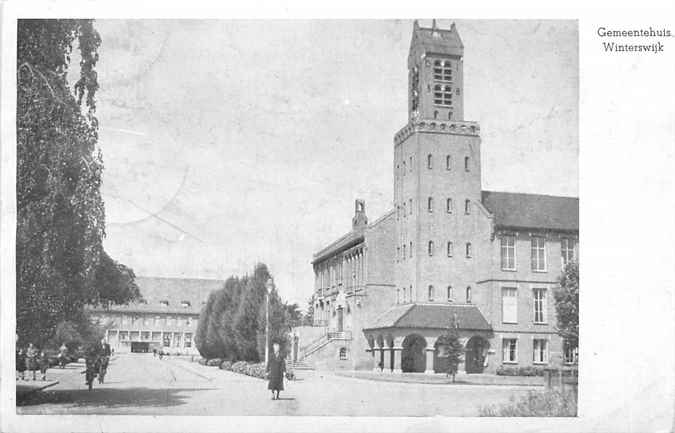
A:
{"x": 360, "y": 219}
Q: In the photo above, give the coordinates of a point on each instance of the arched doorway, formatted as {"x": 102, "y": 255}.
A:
{"x": 413, "y": 356}
{"x": 476, "y": 352}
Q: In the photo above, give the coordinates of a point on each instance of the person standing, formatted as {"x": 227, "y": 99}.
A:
{"x": 43, "y": 362}
{"x": 32, "y": 359}
{"x": 63, "y": 355}
{"x": 21, "y": 363}
{"x": 276, "y": 367}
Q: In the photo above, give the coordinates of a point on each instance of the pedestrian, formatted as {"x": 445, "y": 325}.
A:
{"x": 154, "y": 352}
{"x": 43, "y": 361}
{"x": 276, "y": 367}
{"x": 21, "y": 364}
{"x": 63, "y": 355}
{"x": 31, "y": 359}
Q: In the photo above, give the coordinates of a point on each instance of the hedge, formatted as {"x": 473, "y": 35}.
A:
{"x": 520, "y": 371}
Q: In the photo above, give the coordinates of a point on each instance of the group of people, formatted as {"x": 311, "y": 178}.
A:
{"x": 33, "y": 359}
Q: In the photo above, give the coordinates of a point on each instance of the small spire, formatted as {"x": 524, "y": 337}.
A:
{"x": 433, "y": 24}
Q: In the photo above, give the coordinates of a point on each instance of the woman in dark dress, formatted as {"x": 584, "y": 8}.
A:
{"x": 276, "y": 367}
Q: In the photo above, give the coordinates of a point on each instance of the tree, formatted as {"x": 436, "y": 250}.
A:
{"x": 455, "y": 349}
{"x": 567, "y": 304}
{"x": 295, "y": 316}
{"x": 60, "y": 213}
{"x": 232, "y": 322}
{"x": 308, "y": 317}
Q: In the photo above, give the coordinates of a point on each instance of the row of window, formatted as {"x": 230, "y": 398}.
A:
{"x": 430, "y": 164}
{"x": 510, "y": 305}
{"x": 537, "y": 252}
{"x": 401, "y": 209}
{"x": 540, "y": 351}
{"x": 405, "y": 295}
{"x": 168, "y": 339}
{"x": 155, "y": 321}
{"x": 401, "y": 251}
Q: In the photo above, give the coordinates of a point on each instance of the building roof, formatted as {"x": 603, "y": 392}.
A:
{"x": 352, "y": 238}
{"x": 183, "y": 295}
{"x": 431, "y": 316}
{"x": 437, "y": 40}
{"x": 532, "y": 211}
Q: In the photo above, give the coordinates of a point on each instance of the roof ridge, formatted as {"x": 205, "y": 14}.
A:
{"x": 530, "y": 193}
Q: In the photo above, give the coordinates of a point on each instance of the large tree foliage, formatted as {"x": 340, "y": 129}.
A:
{"x": 232, "y": 322}
{"x": 454, "y": 348}
{"x": 567, "y": 304}
{"x": 60, "y": 214}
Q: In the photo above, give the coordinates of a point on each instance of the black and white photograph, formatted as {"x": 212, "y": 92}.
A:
{"x": 301, "y": 217}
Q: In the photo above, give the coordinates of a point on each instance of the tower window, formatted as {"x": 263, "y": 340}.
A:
{"x": 467, "y": 206}
{"x": 403, "y": 168}
{"x": 410, "y": 206}
{"x": 468, "y": 294}
{"x": 429, "y": 161}
{"x": 398, "y": 253}
{"x": 431, "y": 292}
{"x": 468, "y": 250}
{"x": 448, "y": 162}
{"x": 449, "y": 248}
{"x": 430, "y": 248}
{"x": 430, "y": 204}
{"x": 411, "y": 249}
{"x": 450, "y": 294}
{"x": 411, "y": 164}
{"x": 442, "y": 70}
{"x": 403, "y": 209}
{"x": 448, "y": 205}
{"x": 466, "y": 163}
{"x": 411, "y": 294}
{"x": 403, "y": 251}
{"x": 443, "y": 95}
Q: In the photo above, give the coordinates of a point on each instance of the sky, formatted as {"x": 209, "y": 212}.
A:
{"x": 227, "y": 143}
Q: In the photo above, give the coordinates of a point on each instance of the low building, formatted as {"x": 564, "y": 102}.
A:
{"x": 165, "y": 319}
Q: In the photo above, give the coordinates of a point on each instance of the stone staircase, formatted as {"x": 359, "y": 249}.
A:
{"x": 301, "y": 364}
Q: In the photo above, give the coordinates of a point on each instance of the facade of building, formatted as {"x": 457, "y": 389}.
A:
{"x": 165, "y": 319}
{"x": 448, "y": 252}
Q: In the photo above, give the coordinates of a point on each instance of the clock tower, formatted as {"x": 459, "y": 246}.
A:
{"x": 440, "y": 221}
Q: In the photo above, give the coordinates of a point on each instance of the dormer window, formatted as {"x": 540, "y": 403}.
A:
{"x": 185, "y": 304}
{"x": 164, "y": 302}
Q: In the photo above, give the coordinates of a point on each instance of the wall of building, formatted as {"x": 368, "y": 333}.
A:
{"x": 124, "y": 328}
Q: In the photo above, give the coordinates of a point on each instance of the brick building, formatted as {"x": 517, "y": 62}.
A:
{"x": 448, "y": 250}
{"x": 166, "y": 317}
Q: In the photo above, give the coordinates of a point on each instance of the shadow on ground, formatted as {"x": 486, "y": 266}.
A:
{"x": 112, "y": 397}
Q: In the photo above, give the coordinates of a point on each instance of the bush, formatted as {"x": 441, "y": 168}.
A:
{"x": 520, "y": 371}
{"x": 243, "y": 367}
{"x": 226, "y": 365}
{"x": 215, "y": 362}
{"x": 202, "y": 361}
{"x": 536, "y": 403}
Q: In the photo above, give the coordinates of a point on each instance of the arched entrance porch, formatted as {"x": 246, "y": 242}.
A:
{"x": 413, "y": 356}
